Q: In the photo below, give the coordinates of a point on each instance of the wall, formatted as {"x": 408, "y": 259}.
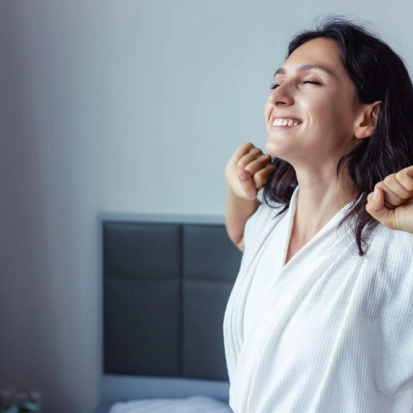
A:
{"x": 121, "y": 106}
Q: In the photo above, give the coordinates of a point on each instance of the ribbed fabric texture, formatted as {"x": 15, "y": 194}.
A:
{"x": 330, "y": 331}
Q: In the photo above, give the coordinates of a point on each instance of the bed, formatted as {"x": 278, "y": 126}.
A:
{"x": 166, "y": 282}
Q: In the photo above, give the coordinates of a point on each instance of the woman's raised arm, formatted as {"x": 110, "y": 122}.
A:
{"x": 247, "y": 171}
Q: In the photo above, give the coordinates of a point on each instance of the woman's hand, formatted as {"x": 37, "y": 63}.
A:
{"x": 248, "y": 170}
{"x": 391, "y": 203}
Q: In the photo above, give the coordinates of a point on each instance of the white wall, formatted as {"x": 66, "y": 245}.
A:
{"x": 121, "y": 106}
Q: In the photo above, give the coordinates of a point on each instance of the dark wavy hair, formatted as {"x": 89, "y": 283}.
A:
{"x": 378, "y": 74}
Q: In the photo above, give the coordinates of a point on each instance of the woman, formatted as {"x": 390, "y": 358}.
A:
{"x": 321, "y": 315}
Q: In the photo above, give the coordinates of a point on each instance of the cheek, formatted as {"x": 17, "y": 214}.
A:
{"x": 318, "y": 106}
{"x": 327, "y": 112}
{"x": 341, "y": 119}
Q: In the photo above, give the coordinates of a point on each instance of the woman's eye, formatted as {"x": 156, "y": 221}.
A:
{"x": 313, "y": 82}
{"x": 274, "y": 86}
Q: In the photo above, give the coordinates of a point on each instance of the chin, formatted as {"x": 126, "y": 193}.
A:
{"x": 273, "y": 149}
{"x": 277, "y": 152}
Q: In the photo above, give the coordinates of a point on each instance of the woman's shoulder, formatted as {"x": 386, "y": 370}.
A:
{"x": 266, "y": 217}
{"x": 393, "y": 241}
{"x": 265, "y": 212}
{"x": 390, "y": 260}
{"x": 263, "y": 218}
{"x": 273, "y": 208}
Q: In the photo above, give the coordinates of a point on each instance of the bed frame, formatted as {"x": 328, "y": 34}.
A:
{"x": 166, "y": 282}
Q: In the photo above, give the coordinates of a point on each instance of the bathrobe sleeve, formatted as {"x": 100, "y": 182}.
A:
{"x": 397, "y": 325}
{"x": 395, "y": 274}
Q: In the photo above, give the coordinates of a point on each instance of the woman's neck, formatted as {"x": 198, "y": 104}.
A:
{"x": 319, "y": 198}
{"x": 321, "y": 195}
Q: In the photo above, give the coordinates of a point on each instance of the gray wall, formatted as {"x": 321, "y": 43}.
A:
{"x": 121, "y": 106}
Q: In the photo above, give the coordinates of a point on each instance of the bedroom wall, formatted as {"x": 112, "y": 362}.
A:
{"x": 121, "y": 106}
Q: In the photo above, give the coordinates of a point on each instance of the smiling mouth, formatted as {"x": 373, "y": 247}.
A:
{"x": 285, "y": 122}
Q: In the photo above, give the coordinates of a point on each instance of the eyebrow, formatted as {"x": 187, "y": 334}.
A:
{"x": 303, "y": 68}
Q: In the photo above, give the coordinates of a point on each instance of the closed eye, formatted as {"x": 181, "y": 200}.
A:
{"x": 313, "y": 82}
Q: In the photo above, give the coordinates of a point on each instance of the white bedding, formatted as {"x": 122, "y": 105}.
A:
{"x": 196, "y": 404}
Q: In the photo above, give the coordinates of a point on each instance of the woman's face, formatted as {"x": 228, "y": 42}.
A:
{"x": 311, "y": 113}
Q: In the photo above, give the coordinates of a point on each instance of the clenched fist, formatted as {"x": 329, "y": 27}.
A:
{"x": 248, "y": 170}
{"x": 391, "y": 203}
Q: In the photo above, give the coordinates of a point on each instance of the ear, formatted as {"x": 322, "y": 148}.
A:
{"x": 366, "y": 121}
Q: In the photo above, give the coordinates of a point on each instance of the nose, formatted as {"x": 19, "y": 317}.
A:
{"x": 281, "y": 96}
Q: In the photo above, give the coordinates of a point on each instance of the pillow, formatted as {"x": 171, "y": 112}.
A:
{"x": 196, "y": 404}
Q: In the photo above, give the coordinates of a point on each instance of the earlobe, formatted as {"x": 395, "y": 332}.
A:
{"x": 366, "y": 122}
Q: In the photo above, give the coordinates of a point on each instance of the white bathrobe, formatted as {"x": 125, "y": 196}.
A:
{"x": 330, "y": 331}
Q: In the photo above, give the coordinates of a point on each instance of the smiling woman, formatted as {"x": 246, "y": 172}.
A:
{"x": 321, "y": 99}
{"x": 319, "y": 319}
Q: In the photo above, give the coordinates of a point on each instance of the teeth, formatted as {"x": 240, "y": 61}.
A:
{"x": 285, "y": 122}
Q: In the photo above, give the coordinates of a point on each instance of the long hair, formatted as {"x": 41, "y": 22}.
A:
{"x": 378, "y": 74}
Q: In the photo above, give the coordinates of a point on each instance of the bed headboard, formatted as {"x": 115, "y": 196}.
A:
{"x": 166, "y": 285}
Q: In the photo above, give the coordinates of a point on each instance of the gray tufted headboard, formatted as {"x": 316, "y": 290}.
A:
{"x": 166, "y": 285}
